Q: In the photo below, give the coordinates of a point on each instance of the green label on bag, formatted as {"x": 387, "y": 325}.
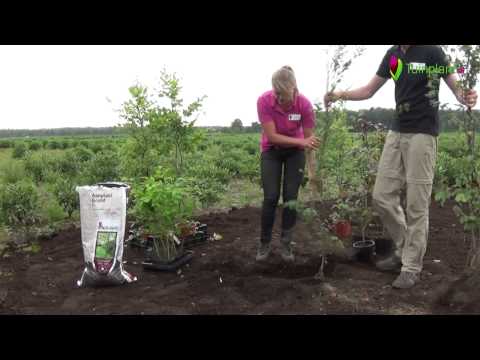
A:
{"x": 106, "y": 244}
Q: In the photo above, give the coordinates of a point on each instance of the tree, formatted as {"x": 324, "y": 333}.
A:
{"x": 237, "y": 125}
{"x": 466, "y": 190}
{"x": 256, "y": 127}
{"x": 140, "y": 155}
{"x": 175, "y": 122}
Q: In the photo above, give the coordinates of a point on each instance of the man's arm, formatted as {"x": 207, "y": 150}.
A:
{"x": 362, "y": 93}
{"x": 467, "y": 98}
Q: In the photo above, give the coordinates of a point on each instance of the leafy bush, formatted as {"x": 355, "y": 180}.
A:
{"x": 11, "y": 171}
{"x": 5, "y": 144}
{"x": 37, "y": 166}
{"x": 19, "y": 204}
{"x": 66, "y": 163}
{"x": 34, "y": 146}
{"x": 162, "y": 202}
{"x": 207, "y": 190}
{"x": 83, "y": 154}
{"x": 96, "y": 147}
{"x": 66, "y": 195}
{"x": 104, "y": 166}
{"x": 19, "y": 150}
{"x": 64, "y": 144}
{"x": 53, "y": 145}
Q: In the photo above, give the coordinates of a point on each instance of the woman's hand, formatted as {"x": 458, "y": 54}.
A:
{"x": 311, "y": 142}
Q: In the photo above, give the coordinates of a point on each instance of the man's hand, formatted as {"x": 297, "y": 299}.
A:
{"x": 361, "y": 93}
{"x": 467, "y": 98}
{"x": 331, "y": 97}
{"x": 464, "y": 97}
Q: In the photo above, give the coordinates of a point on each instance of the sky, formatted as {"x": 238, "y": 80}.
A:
{"x": 85, "y": 86}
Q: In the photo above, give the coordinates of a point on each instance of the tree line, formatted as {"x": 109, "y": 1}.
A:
{"x": 450, "y": 120}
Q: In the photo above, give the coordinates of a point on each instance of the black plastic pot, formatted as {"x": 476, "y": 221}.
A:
{"x": 199, "y": 238}
{"x": 171, "y": 266}
{"x": 364, "y": 251}
{"x": 383, "y": 246}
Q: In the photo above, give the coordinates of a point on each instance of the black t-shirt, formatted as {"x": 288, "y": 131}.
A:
{"x": 416, "y": 103}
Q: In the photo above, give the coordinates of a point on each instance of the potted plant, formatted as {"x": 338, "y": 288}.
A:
{"x": 192, "y": 233}
{"x": 161, "y": 203}
{"x": 367, "y": 156}
{"x": 342, "y": 217}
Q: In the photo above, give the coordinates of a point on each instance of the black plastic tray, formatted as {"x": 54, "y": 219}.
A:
{"x": 174, "y": 265}
{"x": 195, "y": 240}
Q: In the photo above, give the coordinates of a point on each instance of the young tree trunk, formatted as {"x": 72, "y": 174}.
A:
{"x": 312, "y": 172}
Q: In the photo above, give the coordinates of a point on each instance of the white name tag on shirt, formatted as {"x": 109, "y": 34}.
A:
{"x": 294, "y": 117}
{"x": 417, "y": 66}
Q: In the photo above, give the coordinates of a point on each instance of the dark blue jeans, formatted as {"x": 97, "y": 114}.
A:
{"x": 274, "y": 162}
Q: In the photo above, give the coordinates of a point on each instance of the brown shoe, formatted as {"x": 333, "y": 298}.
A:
{"x": 391, "y": 263}
{"x": 406, "y": 280}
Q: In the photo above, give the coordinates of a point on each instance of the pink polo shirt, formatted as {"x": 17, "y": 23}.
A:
{"x": 288, "y": 123}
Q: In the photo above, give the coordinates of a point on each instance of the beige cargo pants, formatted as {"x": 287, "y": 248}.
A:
{"x": 406, "y": 159}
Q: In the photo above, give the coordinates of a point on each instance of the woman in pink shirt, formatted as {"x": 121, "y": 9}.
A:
{"x": 287, "y": 119}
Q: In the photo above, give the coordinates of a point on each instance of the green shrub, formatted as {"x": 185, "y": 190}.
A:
{"x": 53, "y": 145}
{"x": 104, "y": 166}
{"x": 19, "y": 150}
{"x": 11, "y": 171}
{"x": 66, "y": 163}
{"x": 83, "y": 154}
{"x": 34, "y": 146}
{"x": 19, "y": 204}
{"x": 67, "y": 197}
{"x": 37, "y": 166}
{"x": 5, "y": 144}
{"x": 96, "y": 147}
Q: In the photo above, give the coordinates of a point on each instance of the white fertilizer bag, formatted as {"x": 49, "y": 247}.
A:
{"x": 103, "y": 212}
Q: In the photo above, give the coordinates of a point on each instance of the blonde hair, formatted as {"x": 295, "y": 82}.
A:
{"x": 283, "y": 80}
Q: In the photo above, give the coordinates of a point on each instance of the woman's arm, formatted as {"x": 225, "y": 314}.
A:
{"x": 275, "y": 138}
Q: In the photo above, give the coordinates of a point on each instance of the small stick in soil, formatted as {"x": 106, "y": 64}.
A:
{"x": 320, "y": 274}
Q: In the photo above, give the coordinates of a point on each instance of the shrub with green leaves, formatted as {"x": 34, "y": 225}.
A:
{"x": 66, "y": 195}
{"x": 5, "y": 144}
{"x": 19, "y": 150}
{"x": 83, "y": 153}
{"x": 19, "y": 204}
{"x": 11, "y": 171}
{"x": 53, "y": 145}
{"x": 37, "y": 166}
{"x": 64, "y": 144}
{"x": 96, "y": 147}
{"x": 66, "y": 163}
{"x": 162, "y": 202}
{"x": 104, "y": 166}
{"x": 34, "y": 146}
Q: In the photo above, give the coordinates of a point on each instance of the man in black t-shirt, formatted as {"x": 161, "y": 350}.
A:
{"x": 410, "y": 149}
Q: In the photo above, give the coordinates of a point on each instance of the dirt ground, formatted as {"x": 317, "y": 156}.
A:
{"x": 223, "y": 277}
